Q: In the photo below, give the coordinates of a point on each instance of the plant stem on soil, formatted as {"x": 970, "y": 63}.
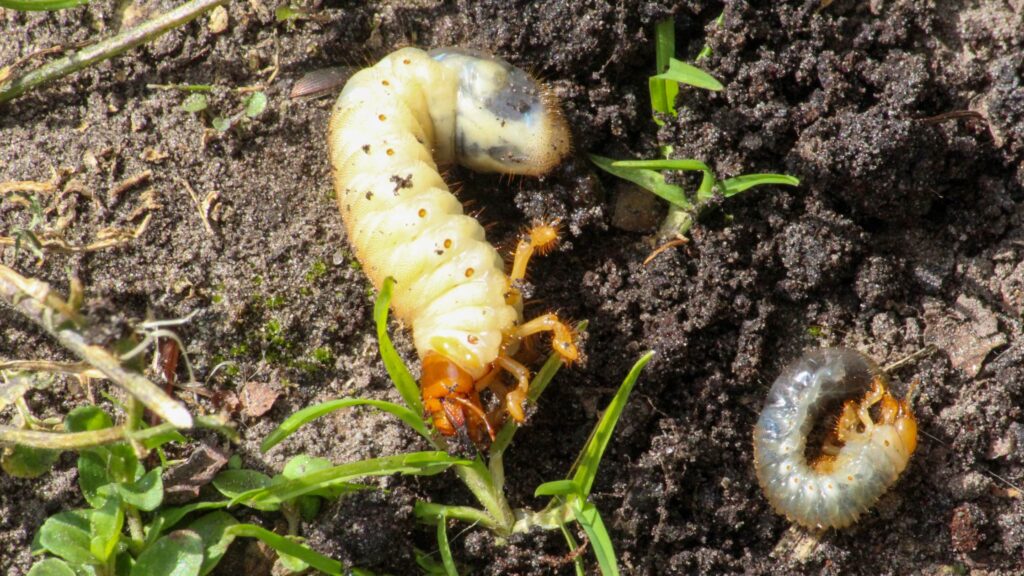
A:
{"x": 35, "y": 300}
{"x": 145, "y": 32}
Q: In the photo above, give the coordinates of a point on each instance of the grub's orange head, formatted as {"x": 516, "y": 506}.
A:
{"x": 442, "y": 378}
{"x": 442, "y": 381}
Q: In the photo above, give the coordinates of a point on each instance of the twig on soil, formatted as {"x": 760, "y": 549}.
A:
{"x": 679, "y": 240}
{"x": 106, "y": 49}
{"x": 78, "y": 440}
{"x": 106, "y": 238}
{"x": 127, "y": 184}
{"x": 33, "y": 186}
{"x": 954, "y": 115}
{"x": 80, "y": 369}
{"x": 35, "y": 300}
{"x": 913, "y": 357}
{"x": 202, "y": 207}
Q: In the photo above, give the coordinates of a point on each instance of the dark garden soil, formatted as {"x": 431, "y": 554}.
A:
{"x": 903, "y": 119}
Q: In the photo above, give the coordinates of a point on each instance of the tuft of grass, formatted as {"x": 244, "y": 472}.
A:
{"x": 572, "y": 493}
{"x": 650, "y": 174}
{"x": 664, "y": 86}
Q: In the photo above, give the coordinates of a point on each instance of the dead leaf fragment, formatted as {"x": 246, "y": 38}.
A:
{"x": 153, "y": 155}
{"x": 114, "y": 194}
{"x": 967, "y": 332}
{"x": 182, "y": 483}
{"x": 257, "y": 399}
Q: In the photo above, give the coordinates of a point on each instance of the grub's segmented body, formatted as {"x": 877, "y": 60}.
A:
{"x": 393, "y": 124}
{"x": 860, "y": 459}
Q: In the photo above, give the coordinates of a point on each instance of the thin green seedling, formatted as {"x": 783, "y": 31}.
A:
{"x": 399, "y": 373}
{"x": 651, "y": 174}
{"x": 105, "y": 49}
{"x": 574, "y": 491}
{"x": 444, "y": 547}
{"x": 428, "y": 565}
{"x": 40, "y": 5}
{"x": 574, "y": 547}
{"x": 705, "y": 50}
{"x": 411, "y": 464}
{"x": 311, "y": 413}
{"x": 664, "y": 86}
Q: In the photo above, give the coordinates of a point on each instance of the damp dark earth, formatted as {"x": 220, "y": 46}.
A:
{"x": 903, "y": 120}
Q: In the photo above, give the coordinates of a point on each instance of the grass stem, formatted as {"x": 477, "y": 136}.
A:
{"x": 35, "y": 300}
{"x": 106, "y": 49}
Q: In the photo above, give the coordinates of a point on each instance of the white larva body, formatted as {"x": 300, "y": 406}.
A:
{"x": 868, "y": 463}
{"x": 393, "y": 124}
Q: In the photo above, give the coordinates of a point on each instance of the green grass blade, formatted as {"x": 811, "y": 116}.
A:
{"x": 683, "y": 73}
{"x": 413, "y": 463}
{"x": 430, "y": 513}
{"x": 169, "y": 517}
{"x": 427, "y": 564}
{"x": 485, "y": 486}
{"x": 663, "y": 94}
{"x": 591, "y": 456}
{"x": 649, "y": 180}
{"x": 36, "y": 5}
{"x": 588, "y": 517}
{"x": 707, "y": 187}
{"x": 734, "y": 186}
{"x": 444, "y": 548}
{"x": 577, "y": 559}
{"x": 399, "y": 374}
{"x": 307, "y": 415}
{"x": 558, "y": 488}
{"x": 677, "y": 164}
{"x": 286, "y": 546}
{"x": 706, "y": 50}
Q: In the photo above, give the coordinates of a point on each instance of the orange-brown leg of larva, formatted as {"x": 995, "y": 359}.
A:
{"x": 874, "y": 396}
{"x": 517, "y": 396}
{"x": 487, "y": 382}
{"x": 562, "y": 340}
{"x": 540, "y": 238}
